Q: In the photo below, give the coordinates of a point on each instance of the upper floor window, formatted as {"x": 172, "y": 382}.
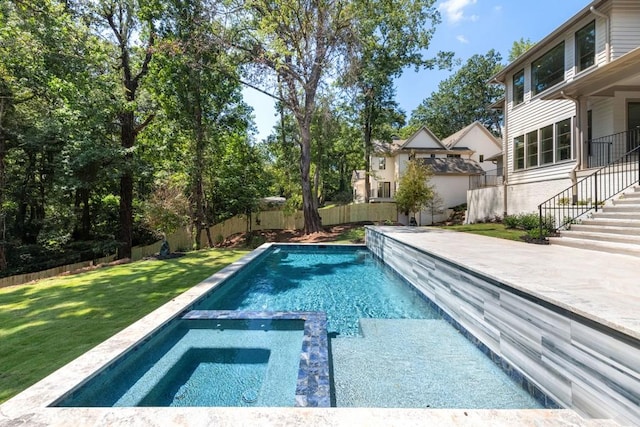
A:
{"x": 548, "y": 70}
{"x": 518, "y": 87}
{"x": 453, "y": 156}
{"x": 586, "y": 46}
{"x": 382, "y": 165}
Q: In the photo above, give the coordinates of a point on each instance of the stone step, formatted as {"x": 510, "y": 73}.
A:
{"x": 605, "y": 229}
{"x": 594, "y": 233}
{"x": 621, "y": 208}
{"x": 619, "y": 214}
{"x": 612, "y": 222}
{"x": 595, "y": 245}
{"x": 627, "y": 201}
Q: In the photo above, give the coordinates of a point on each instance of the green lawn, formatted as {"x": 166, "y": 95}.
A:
{"x": 491, "y": 230}
{"x": 49, "y": 323}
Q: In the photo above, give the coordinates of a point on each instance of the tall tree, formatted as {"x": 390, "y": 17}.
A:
{"x": 462, "y": 99}
{"x": 130, "y": 22}
{"x": 199, "y": 89}
{"x": 389, "y": 36}
{"x": 300, "y": 41}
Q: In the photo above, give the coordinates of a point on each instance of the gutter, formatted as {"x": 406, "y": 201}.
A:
{"x": 607, "y": 43}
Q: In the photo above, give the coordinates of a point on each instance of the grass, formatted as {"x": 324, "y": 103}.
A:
{"x": 491, "y": 230}
{"x": 353, "y": 235}
{"x": 47, "y": 324}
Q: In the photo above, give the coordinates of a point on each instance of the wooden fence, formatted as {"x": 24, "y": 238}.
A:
{"x": 268, "y": 220}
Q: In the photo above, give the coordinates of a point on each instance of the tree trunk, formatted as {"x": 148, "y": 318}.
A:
{"x": 367, "y": 150}
{"x": 312, "y": 221}
{"x": 198, "y": 188}
{"x": 3, "y": 255}
{"x": 127, "y": 140}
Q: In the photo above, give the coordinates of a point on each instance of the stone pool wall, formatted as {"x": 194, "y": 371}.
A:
{"x": 584, "y": 365}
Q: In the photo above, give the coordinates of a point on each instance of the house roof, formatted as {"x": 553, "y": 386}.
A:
{"x": 543, "y": 44}
{"x": 453, "y": 165}
{"x": 400, "y": 144}
{"x": 452, "y": 140}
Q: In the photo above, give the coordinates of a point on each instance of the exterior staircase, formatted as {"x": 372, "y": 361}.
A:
{"x": 615, "y": 228}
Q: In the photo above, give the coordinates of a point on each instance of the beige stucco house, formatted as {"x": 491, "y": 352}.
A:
{"x": 456, "y": 161}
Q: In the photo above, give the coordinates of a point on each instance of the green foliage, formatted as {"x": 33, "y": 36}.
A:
{"x": 529, "y": 222}
{"x": 414, "y": 191}
{"x": 519, "y": 47}
{"x": 462, "y": 99}
{"x": 491, "y": 230}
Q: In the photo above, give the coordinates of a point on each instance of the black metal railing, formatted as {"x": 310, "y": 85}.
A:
{"x": 601, "y": 151}
{"x": 490, "y": 178}
{"x": 590, "y": 193}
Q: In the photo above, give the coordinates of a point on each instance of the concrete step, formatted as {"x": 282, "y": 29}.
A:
{"x": 605, "y": 229}
{"x": 595, "y": 245}
{"x": 596, "y": 234}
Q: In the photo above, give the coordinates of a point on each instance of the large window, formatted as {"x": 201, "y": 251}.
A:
{"x": 518, "y": 87}
{"x": 563, "y": 140}
{"x": 382, "y": 164}
{"x": 546, "y": 145}
{"x": 548, "y": 70}
{"x": 586, "y": 46}
{"x": 384, "y": 189}
{"x": 518, "y": 150}
{"x": 532, "y": 149}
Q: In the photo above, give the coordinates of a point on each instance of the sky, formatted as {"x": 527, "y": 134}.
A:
{"x": 468, "y": 27}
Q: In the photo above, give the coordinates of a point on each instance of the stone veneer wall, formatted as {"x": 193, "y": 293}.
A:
{"x": 584, "y": 365}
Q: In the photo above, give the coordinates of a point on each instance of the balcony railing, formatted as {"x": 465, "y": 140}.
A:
{"x": 490, "y": 178}
{"x": 603, "y": 150}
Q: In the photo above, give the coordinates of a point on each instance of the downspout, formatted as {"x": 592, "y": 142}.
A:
{"x": 607, "y": 43}
{"x": 578, "y": 145}
{"x": 505, "y": 165}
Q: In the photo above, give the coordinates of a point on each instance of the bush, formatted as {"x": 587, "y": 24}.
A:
{"x": 510, "y": 221}
{"x": 529, "y": 221}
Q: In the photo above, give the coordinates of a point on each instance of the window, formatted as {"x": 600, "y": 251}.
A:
{"x": 563, "y": 140}
{"x": 532, "y": 149}
{"x": 433, "y": 156}
{"x": 586, "y": 46}
{"x": 481, "y": 158}
{"x": 546, "y": 145}
{"x": 548, "y": 70}
{"x": 384, "y": 190}
{"x": 382, "y": 165}
{"x": 518, "y": 150}
{"x": 451, "y": 156}
{"x": 518, "y": 87}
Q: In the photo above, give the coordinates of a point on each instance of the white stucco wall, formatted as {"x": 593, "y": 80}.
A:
{"x": 485, "y": 204}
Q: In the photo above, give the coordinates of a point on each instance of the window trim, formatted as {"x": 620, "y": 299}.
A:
{"x": 554, "y": 150}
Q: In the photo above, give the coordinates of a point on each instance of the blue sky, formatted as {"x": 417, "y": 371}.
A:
{"x": 468, "y": 27}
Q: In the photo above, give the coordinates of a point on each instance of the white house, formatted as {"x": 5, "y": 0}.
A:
{"x": 572, "y": 105}
{"x": 456, "y": 161}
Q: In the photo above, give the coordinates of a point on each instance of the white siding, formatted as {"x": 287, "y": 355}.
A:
{"x": 478, "y": 141}
{"x": 602, "y": 117}
{"x": 424, "y": 140}
{"x": 625, "y": 27}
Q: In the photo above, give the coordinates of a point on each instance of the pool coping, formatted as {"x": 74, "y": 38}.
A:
{"x": 32, "y": 406}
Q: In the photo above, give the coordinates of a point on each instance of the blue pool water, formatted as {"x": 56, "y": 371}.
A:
{"x": 388, "y": 346}
{"x": 347, "y": 283}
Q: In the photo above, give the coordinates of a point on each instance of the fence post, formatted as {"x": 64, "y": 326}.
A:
{"x": 540, "y": 218}
{"x": 595, "y": 186}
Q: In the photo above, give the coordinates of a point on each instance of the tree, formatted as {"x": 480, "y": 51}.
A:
{"x": 414, "y": 191}
{"x": 434, "y": 205}
{"x": 129, "y": 21}
{"x": 462, "y": 99}
{"x": 389, "y": 36}
{"x": 519, "y": 47}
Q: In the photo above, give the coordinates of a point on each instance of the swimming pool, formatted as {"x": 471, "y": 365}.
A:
{"x": 389, "y": 346}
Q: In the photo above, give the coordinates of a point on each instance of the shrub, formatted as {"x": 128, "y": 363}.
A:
{"x": 510, "y": 221}
{"x": 528, "y": 221}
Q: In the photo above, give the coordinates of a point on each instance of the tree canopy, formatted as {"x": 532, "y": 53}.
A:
{"x": 462, "y": 99}
{"x": 414, "y": 191}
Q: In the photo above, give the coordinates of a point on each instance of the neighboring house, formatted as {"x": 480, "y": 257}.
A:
{"x": 572, "y": 105}
{"x": 456, "y": 161}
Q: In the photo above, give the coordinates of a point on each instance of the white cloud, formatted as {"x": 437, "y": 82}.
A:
{"x": 462, "y": 39}
{"x": 454, "y": 9}
{"x": 498, "y": 8}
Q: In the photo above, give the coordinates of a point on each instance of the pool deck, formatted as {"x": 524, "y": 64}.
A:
{"x": 595, "y": 285}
